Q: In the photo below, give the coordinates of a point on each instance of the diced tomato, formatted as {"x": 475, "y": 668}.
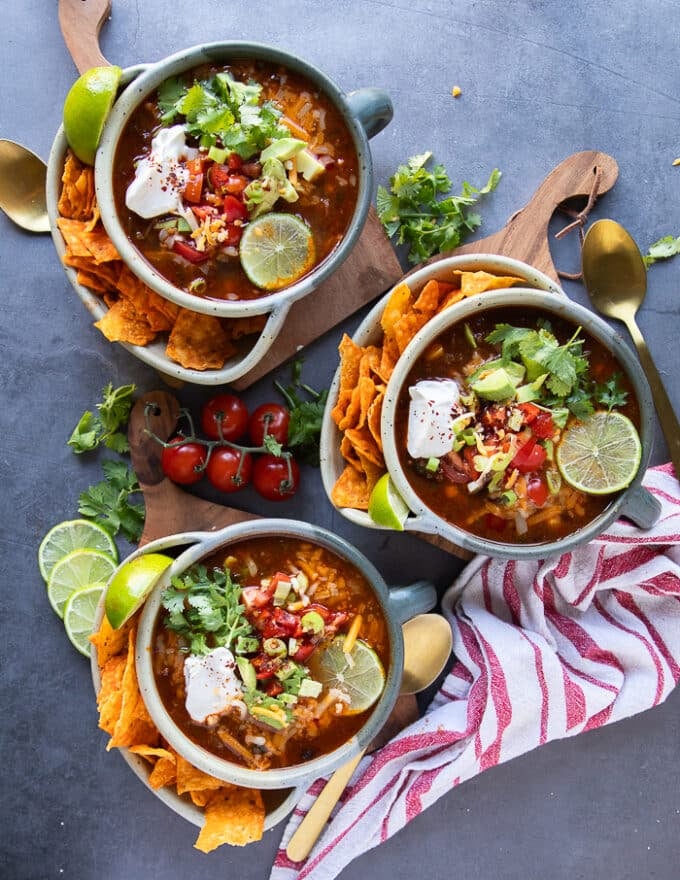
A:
{"x": 537, "y": 491}
{"x": 234, "y": 209}
{"x": 203, "y": 211}
{"x": 529, "y": 457}
{"x": 274, "y": 688}
{"x": 234, "y": 162}
{"x": 303, "y": 651}
{"x": 188, "y": 251}
{"x": 282, "y": 624}
{"x": 543, "y": 426}
{"x": 194, "y": 189}
{"x": 530, "y": 411}
{"x": 255, "y": 597}
{"x": 496, "y": 523}
{"x": 223, "y": 180}
{"x": 469, "y": 453}
{"x": 233, "y": 234}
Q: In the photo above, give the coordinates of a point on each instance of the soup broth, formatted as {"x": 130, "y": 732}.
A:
{"x": 486, "y": 462}
{"x": 294, "y": 599}
{"x": 222, "y": 182}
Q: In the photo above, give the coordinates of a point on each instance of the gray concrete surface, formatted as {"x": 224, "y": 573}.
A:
{"x": 539, "y": 81}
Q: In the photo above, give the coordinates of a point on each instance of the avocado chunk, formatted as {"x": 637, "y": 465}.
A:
{"x": 496, "y": 385}
{"x": 515, "y": 372}
{"x": 282, "y": 149}
{"x": 534, "y": 368}
{"x": 308, "y": 165}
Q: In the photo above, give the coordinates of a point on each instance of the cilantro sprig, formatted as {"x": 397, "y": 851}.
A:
{"x": 306, "y": 414}
{"x": 204, "y": 606}
{"x": 103, "y": 427}
{"x": 222, "y": 111}
{"x": 414, "y": 212}
{"x": 109, "y": 501}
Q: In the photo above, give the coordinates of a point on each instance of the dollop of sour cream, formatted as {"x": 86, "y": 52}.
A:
{"x": 430, "y": 416}
{"x": 161, "y": 176}
{"x": 211, "y": 683}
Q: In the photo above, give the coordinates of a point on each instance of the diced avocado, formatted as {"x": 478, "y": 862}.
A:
{"x": 526, "y": 393}
{"x": 533, "y": 368}
{"x": 282, "y": 149}
{"x": 515, "y": 371}
{"x": 310, "y": 688}
{"x": 247, "y": 671}
{"x": 274, "y": 719}
{"x": 496, "y": 385}
{"x": 308, "y": 165}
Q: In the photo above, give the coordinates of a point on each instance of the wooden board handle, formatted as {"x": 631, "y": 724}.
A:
{"x": 525, "y": 235}
{"x": 81, "y": 22}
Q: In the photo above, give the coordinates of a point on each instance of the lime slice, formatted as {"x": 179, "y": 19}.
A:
{"x": 79, "y": 568}
{"x": 359, "y": 673}
{"x": 86, "y": 107}
{"x": 79, "y": 615}
{"x": 386, "y": 507}
{"x": 600, "y": 454}
{"x": 276, "y": 250}
{"x": 130, "y": 586}
{"x": 73, "y": 534}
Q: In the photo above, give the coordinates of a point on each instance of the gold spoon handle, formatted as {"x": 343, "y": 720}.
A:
{"x": 664, "y": 408}
{"x": 306, "y": 834}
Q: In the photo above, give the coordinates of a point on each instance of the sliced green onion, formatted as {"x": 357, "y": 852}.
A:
{"x": 509, "y": 497}
{"x": 274, "y": 647}
{"x": 432, "y": 465}
{"x": 197, "y": 285}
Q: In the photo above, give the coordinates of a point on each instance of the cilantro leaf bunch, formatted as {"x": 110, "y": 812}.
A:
{"x": 415, "y": 210}
{"x": 306, "y": 415}
{"x": 103, "y": 427}
{"x": 222, "y": 111}
{"x": 109, "y": 501}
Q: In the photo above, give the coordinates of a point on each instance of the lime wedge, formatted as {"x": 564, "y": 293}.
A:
{"x": 79, "y": 615}
{"x": 79, "y": 568}
{"x": 86, "y": 107}
{"x": 276, "y": 250}
{"x": 359, "y": 673}
{"x": 386, "y": 507}
{"x": 73, "y": 534}
{"x": 130, "y": 586}
{"x": 600, "y": 454}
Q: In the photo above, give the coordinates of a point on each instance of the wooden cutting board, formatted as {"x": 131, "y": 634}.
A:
{"x": 371, "y": 268}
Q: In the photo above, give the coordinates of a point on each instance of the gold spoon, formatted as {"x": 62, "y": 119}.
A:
{"x": 615, "y": 277}
{"x": 427, "y": 647}
{"x": 22, "y": 187}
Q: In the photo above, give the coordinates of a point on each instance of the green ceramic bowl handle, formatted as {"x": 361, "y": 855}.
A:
{"x": 417, "y": 598}
{"x": 641, "y": 507}
{"x": 372, "y": 108}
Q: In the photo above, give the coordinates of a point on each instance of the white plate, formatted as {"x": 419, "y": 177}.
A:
{"x": 370, "y": 332}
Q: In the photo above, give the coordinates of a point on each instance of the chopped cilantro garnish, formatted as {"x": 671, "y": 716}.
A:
{"x": 413, "y": 211}
{"x": 103, "y": 428}
{"x": 306, "y": 415}
{"x": 204, "y": 606}
{"x": 108, "y": 501}
{"x": 221, "y": 110}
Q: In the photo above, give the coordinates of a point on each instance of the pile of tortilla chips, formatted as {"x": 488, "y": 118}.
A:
{"x": 233, "y": 815}
{"x": 366, "y": 370}
{"x": 136, "y": 314}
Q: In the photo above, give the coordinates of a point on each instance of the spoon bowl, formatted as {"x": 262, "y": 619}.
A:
{"x": 427, "y": 647}
{"x": 22, "y": 187}
{"x": 615, "y": 277}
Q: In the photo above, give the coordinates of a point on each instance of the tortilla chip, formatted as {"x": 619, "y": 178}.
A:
{"x": 100, "y": 245}
{"x": 407, "y": 327}
{"x": 73, "y": 232}
{"x": 110, "y": 696}
{"x": 77, "y": 197}
{"x": 233, "y": 815}
{"x": 123, "y": 323}
{"x": 190, "y": 778}
{"x": 365, "y": 446}
{"x": 479, "y": 282}
{"x": 374, "y": 416}
{"x": 388, "y": 358}
{"x": 397, "y": 305}
{"x": 428, "y": 298}
{"x": 349, "y": 453}
{"x": 109, "y": 641}
{"x": 134, "y": 724}
{"x": 351, "y": 489}
{"x": 164, "y": 773}
{"x": 152, "y": 752}
{"x": 199, "y": 342}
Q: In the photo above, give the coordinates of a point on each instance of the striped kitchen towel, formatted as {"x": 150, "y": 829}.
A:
{"x": 543, "y": 650}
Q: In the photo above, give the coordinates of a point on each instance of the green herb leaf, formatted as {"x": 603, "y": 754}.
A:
{"x": 663, "y": 249}
{"x": 204, "y": 606}
{"x": 412, "y": 211}
{"x": 103, "y": 429}
{"x": 109, "y": 501}
{"x": 306, "y": 415}
{"x": 610, "y": 393}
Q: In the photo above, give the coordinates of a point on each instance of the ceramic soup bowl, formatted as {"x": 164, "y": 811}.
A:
{"x": 392, "y": 606}
{"x": 446, "y": 504}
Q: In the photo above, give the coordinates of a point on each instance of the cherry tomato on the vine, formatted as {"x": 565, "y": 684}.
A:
{"x": 273, "y": 479}
{"x": 269, "y": 418}
{"x": 184, "y": 463}
{"x": 226, "y": 410}
{"x": 229, "y": 469}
